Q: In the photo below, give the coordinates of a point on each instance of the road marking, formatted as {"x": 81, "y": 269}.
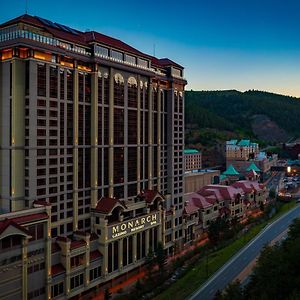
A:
{"x": 237, "y": 255}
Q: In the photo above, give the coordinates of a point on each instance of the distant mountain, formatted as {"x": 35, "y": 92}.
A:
{"x": 265, "y": 116}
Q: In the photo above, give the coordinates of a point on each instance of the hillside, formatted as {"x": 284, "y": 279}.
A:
{"x": 213, "y": 116}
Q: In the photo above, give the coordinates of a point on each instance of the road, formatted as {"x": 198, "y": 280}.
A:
{"x": 244, "y": 257}
{"x": 274, "y": 181}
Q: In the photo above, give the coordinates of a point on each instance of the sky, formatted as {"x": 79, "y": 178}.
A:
{"x": 222, "y": 44}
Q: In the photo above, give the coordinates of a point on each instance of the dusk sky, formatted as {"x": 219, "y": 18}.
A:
{"x": 223, "y": 44}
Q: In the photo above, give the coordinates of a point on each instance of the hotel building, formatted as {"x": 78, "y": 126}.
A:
{"x": 91, "y": 159}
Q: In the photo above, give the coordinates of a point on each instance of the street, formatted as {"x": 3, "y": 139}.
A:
{"x": 274, "y": 181}
{"x": 244, "y": 257}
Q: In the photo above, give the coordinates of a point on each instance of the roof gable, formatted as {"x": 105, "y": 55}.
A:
{"x": 231, "y": 171}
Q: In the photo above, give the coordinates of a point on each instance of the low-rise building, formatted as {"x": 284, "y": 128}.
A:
{"x": 241, "y": 150}
{"x": 192, "y": 160}
{"x": 261, "y": 163}
{"x": 196, "y": 180}
{"x": 255, "y": 193}
{"x": 25, "y": 253}
{"x": 214, "y": 201}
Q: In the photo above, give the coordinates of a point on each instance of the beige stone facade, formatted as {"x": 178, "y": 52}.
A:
{"x": 195, "y": 181}
{"x": 92, "y": 131}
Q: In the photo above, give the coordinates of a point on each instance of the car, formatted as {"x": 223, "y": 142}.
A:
{"x": 298, "y": 200}
{"x": 288, "y": 195}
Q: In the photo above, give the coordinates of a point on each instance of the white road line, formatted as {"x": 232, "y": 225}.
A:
{"x": 215, "y": 275}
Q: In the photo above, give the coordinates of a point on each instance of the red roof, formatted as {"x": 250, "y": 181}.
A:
{"x": 77, "y": 244}
{"x": 196, "y": 201}
{"x": 93, "y": 36}
{"x": 57, "y": 269}
{"x": 17, "y": 221}
{"x": 31, "y": 218}
{"x": 85, "y": 38}
{"x": 10, "y": 222}
{"x": 221, "y": 192}
{"x": 95, "y": 255}
{"x": 150, "y": 195}
{"x": 41, "y": 202}
{"x": 165, "y": 62}
{"x": 106, "y": 205}
{"x": 248, "y": 186}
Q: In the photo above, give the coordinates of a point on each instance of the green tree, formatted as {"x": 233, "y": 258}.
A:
{"x": 272, "y": 194}
{"x": 160, "y": 257}
{"x": 218, "y": 295}
{"x": 233, "y": 291}
{"x": 150, "y": 262}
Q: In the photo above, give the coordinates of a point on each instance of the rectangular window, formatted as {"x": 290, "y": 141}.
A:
{"x": 57, "y": 289}
{"x": 41, "y": 76}
{"x": 130, "y": 59}
{"x": 116, "y": 55}
{"x": 53, "y": 82}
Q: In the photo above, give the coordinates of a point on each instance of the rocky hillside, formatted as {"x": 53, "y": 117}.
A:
{"x": 212, "y": 116}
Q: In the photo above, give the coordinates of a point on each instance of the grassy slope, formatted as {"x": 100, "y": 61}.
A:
{"x": 193, "y": 279}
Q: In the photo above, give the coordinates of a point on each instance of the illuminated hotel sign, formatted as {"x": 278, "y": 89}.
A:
{"x": 133, "y": 226}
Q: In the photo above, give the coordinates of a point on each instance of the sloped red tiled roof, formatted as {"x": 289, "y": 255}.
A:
{"x": 85, "y": 38}
{"x": 57, "y": 269}
{"x": 30, "y": 218}
{"x": 23, "y": 18}
{"x": 196, "y": 200}
{"x": 95, "y": 255}
{"x": 106, "y": 205}
{"x": 150, "y": 195}
{"x": 93, "y": 36}
{"x": 41, "y": 202}
{"x": 164, "y": 62}
{"x": 248, "y": 186}
{"x": 222, "y": 192}
{"x": 10, "y": 222}
{"x": 190, "y": 209}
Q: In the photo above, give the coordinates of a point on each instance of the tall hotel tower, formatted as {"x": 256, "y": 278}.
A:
{"x": 91, "y": 159}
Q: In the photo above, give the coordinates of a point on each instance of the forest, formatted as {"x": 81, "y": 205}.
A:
{"x": 233, "y": 111}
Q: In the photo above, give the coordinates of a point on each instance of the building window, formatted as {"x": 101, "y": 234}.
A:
{"x": 57, "y": 289}
{"x": 77, "y": 261}
{"x": 36, "y": 231}
{"x": 76, "y": 281}
{"x": 130, "y": 59}
{"x": 101, "y": 51}
{"x": 53, "y": 82}
{"x": 116, "y": 55}
{"x": 41, "y": 82}
{"x": 10, "y": 241}
{"x": 95, "y": 273}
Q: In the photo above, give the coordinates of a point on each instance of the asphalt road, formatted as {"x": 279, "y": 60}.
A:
{"x": 274, "y": 181}
{"x": 241, "y": 260}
